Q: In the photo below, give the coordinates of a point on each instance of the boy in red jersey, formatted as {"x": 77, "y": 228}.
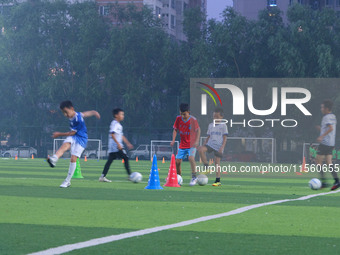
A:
{"x": 189, "y": 131}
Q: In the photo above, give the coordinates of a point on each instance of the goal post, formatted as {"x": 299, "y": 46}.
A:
{"x": 249, "y": 149}
{"x": 163, "y": 149}
{"x": 93, "y": 149}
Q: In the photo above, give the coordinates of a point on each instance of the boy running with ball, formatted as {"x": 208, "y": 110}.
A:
{"x": 76, "y": 139}
{"x": 327, "y": 143}
{"x": 189, "y": 131}
{"x": 215, "y": 142}
{"x": 116, "y": 146}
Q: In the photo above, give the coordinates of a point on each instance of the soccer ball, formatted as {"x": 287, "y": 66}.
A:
{"x": 202, "y": 179}
{"x": 136, "y": 177}
{"x": 315, "y": 184}
{"x": 180, "y": 180}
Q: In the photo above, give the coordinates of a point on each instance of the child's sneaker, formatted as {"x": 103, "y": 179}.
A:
{"x": 50, "y": 162}
{"x": 65, "y": 184}
{"x": 193, "y": 181}
{"x": 216, "y": 184}
{"x": 104, "y": 179}
{"x": 335, "y": 186}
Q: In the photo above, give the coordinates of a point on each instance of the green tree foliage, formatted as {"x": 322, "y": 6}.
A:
{"x": 52, "y": 50}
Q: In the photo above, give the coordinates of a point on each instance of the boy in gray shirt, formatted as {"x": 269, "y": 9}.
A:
{"x": 327, "y": 143}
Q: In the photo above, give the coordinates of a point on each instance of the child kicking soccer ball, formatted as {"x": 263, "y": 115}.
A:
{"x": 116, "y": 147}
{"x": 215, "y": 142}
{"x": 76, "y": 139}
{"x": 327, "y": 144}
{"x": 189, "y": 131}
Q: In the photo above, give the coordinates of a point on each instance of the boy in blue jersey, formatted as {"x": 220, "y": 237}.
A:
{"x": 76, "y": 139}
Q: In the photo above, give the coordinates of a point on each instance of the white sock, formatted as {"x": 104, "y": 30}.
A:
{"x": 71, "y": 170}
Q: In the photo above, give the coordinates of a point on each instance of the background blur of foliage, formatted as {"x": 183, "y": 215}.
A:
{"x": 52, "y": 51}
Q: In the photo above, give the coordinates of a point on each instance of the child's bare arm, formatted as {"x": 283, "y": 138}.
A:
{"x": 59, "y": 134}
{"x": 330, "y": 129}
{"x": 174, "y": 134}
{"x": 118, "y": 144}
{"x": 206, "y": 140}
{"x": 128, "y": 144}
{"x": 90, "y": 114}
{"x": 197, "y": 142}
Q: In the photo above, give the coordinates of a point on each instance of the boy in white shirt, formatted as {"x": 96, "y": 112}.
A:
{"x": 215, "y": 142}
{"x": 116, "y": 146}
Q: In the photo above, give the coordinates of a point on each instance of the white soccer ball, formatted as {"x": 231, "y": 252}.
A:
{"x": 315, "y": 184}
{"x": 180, "y": 180}
{"x": 136, "y": 177}
{"x": 202, "y": 179}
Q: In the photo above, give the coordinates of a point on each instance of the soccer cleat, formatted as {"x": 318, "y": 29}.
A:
{"x": 104, "y": 179}
{"x": 335, "y": 186}
{"x": 65, "y": 184}
{"x": 50, "y": 162}
{"x": 216, "y": 184}
{"x": 193, "y": 181}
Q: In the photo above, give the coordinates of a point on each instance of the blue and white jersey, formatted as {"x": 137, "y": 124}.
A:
{"x": 117, "y": 129}
{"x": 328, "y": 119}
{"x": 77, "y": 124}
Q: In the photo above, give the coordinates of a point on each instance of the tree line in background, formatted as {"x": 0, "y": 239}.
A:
{"x": 52, "y": 51}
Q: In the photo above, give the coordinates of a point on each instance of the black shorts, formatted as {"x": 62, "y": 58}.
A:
{"x": 216, "y": 153}
{"x": 325, "y": 150}
{"x": 121, "y": 154}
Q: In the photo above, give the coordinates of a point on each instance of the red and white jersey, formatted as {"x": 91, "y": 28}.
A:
{"x": 187, "y": 131}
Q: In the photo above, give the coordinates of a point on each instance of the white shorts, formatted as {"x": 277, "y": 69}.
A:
{"x": 76, "y": 148}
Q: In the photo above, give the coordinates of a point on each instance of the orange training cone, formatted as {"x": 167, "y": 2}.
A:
{"x": 163, "y": 161}
{"x": 16, "y": 157}
{"x": 122, "y": 161}
{"x": 303, "y": 167}
{"x": 32, "y": 156}
{"x": 85, "y": 159}
{"x": 136, "y": 159}
{"x": 172, "y": 181}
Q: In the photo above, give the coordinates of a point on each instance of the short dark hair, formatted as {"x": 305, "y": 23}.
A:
{"x": 116, "y": 111}
{"x": 184, "y": 107}
{"x": 219, "y": 110}
{"x": 328, "y": 104}
{"x": 66, "y": 104}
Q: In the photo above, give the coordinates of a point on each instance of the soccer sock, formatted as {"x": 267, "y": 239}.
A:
{"x": 71, "y": 170}
{"x": 336, "y": 180}
{"x": 218, "y": 179}
{"x": 193, "y": 175}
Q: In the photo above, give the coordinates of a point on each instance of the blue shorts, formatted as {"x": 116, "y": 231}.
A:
{"x": 182, "y": 153}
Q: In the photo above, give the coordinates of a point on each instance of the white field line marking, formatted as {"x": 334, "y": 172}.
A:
{"x": 108, "y": 239}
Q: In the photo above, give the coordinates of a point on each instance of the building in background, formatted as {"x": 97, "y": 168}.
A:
{"x": 171, "y": 12}
{"x": 251, "y": 8}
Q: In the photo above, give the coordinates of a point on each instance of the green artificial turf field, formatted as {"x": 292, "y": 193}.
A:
{"x": 36, "y": 214}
